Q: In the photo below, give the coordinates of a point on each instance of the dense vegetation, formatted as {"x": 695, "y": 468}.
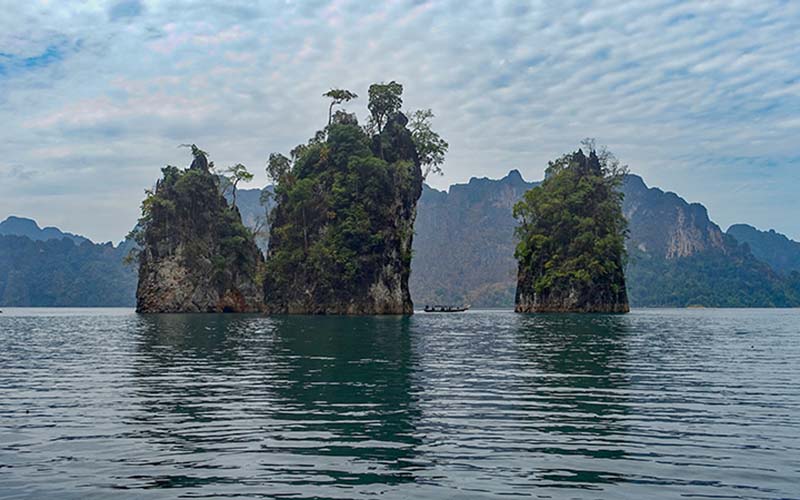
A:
{"x": 194, "y": 252}
{"x": 59, "y": 272}
{"x": 469, "y": 228}
{"x": 187, "y": 202}
{"x": 345, "y": 207}
{"x": 710, "y": 279}
{"x": 572, "y": 237}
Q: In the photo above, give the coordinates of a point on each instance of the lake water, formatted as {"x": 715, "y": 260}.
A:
{"x": 657, "y": 404}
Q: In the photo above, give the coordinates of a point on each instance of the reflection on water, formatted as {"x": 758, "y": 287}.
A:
{"x": 489, "y": 404}
{"x": 294, "y": 389}
{"x": 581, "y": 373}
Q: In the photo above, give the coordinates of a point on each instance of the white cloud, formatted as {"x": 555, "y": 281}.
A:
{"x": 675, "y": 88}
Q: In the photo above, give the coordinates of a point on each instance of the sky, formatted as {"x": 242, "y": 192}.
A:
{"x": 701, "y": 98}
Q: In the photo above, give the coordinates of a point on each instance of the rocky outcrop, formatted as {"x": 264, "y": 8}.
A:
{"x": 195, "y": 256}
{"x": 572, "y": 240}
{"x": 593, "y": 298}
{"x": 341, "y": 238}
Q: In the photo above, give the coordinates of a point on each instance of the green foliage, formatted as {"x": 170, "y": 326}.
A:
{"x": 278, "y": 166}
{"x": 186, "y": 208}
{"x": 711, "y": 279}
{"x": 60, "y": 273}
{"x": 196, "y": 152}
{"x": 384, "y": 101}
{"x": 236, "y": 174}
{"x": 336, "y": 211}
{"x": 572, "y": 231}
{"x": 431, "y": 148}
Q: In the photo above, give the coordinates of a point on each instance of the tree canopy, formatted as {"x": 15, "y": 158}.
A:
{"x": 236, "y": 174}
{"x": 431, "y": 148}
{"x": 385, "y": 99}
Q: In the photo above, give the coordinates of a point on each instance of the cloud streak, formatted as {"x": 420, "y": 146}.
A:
{"x": 700, "y": 98}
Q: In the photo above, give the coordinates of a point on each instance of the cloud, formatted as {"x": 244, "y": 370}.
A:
{"x": 699, "y": 97}
{"x": 124, "y": 9}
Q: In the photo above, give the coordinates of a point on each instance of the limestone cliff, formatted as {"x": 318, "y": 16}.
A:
{"x": 665, "y": 225}
{"x": 195, "y": 256}
{"x": 340, "y": 242}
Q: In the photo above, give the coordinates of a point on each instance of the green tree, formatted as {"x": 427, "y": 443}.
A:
{"x": 431, "y": 148}
{"x": 236, "y": 174}
{"x": 278, "y": 166}
{"x": 384, "y": 101}
{"x": 338, "y": 96}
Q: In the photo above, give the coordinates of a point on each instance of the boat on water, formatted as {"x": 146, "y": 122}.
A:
{"x": 446, "y": 309}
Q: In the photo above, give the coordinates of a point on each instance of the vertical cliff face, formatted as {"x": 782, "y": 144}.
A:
{"x": 196, "y": 256}
{"x": 665, "y": 225}
{"x": 464, "y": 243}
{"x": 340, "y": 242}
{"x": 572, "y": 239}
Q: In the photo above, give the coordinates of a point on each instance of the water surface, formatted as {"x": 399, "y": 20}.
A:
{"x": 488, "y": 404}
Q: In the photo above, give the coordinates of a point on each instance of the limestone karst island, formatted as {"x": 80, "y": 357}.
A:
{"x": 399, "y": 250}
{"x": 341, "y": 226}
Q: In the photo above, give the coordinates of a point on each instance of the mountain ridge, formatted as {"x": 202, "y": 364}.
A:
{"x": 22, "y": 226}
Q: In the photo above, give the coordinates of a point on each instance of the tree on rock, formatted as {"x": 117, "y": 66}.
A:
{"x": 385, "y": 100}
{"x": 571, "y": 235}
{"x": 342, "y": 228}
{"x": 338, "y": 96}
{"x": 236, "y": 174}
{"x": 430, "y": 146}
{"x": 195, "y": 253}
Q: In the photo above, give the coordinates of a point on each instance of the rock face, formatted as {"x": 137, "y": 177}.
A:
{"x": 341, "y": 238}
{"x": 595, "y": 298}
{"x": 464, "y": 243}
{"x": 665, "y": 225}
{"x": 196, "y": 256}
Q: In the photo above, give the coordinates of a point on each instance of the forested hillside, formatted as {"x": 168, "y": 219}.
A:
{"x": 770, "y": 246}
{"x": 58, "y": 272}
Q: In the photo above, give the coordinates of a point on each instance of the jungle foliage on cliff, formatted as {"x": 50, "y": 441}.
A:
{"x": 185, "y": 204}
{"x": 572, "y": 230}
{"x": 194, "y": 253}
{"x": 345, "y": 206}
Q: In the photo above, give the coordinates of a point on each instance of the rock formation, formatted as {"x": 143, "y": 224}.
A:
{"x": 195, "y": 254}
{"x": 340, "y": 242}
{"x": 572, "y": 237}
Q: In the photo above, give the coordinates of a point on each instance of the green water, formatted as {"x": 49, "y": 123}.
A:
{"x": 488, "y": 404}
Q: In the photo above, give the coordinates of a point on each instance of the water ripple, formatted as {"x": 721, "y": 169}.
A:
{"x": 488, "y": 404}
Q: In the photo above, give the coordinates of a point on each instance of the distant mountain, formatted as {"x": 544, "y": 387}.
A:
{"x": 253, "y": 212}
{"x": 464, "y": 243}
{"x": 464, "y": 250}
{"x": 57, "y": 272}
{"x": 678, "y": 257}
{"x": 20, "y": 226}
{"x": 771, "y": 247}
